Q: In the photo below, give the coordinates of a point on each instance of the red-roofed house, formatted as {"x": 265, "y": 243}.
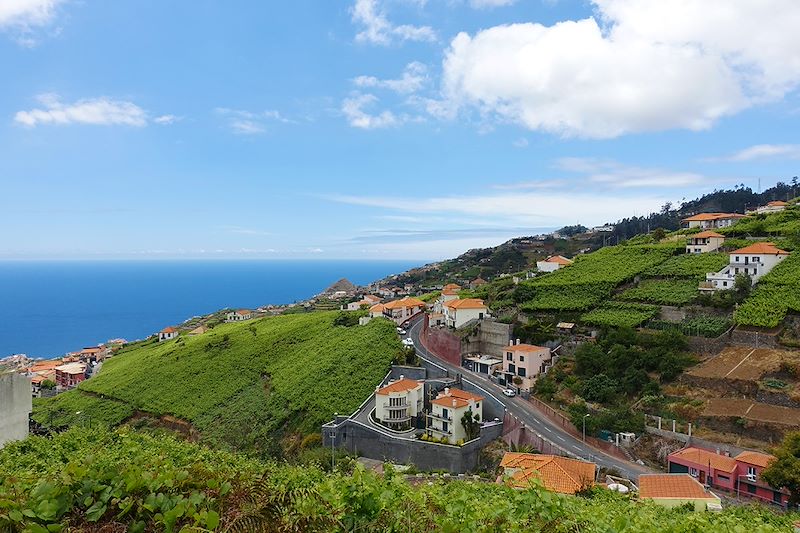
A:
{"x": 740, "y": 474}
{"x": 403, "y": 309}
{"x": 755, "y": 260}
{"x": 399, "y": 403}
{"x": 447, "y": 410}
{"x": 167, "y": 333}
{"x": 70, "y": 374}
{"x": 673, "y": 490}
{"x": 553, "y": 263}
{"x": 703, "y": 242}
{"x": 554, "y": 473}
{"x": 524, "y": 361}
{"x": 239, "y": 315}
{"x": 712, "y": 220}
{"x": 772, "y": 207}
{"x": 458, "y": 312}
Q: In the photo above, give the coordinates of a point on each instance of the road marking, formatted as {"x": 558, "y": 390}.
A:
{"x": 740, "y": 362}
{"x": 559, "y": 437}
{"x": 548, "y": 429}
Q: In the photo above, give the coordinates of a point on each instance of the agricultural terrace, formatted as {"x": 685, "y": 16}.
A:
{"x": 775, "y": 295}
{"x": 590, "y": 279}
{"x": 745, "y": 363}
{"x": 690, "y": 265}
{"x": 750, "y": 410}
{"x": 766, "y": 225}
{"x": 244, "y": 385}
{"x": 663, "y": 292}
{"x": 619, "y": 314}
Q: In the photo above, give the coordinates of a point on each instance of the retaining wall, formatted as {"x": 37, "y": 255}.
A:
{"x": 15, "y": 406}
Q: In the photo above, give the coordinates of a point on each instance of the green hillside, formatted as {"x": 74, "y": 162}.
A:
{"x": 97, "y": 480}
{"x": 245, "y": 385}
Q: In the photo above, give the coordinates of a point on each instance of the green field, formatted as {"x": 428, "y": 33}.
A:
{"x": 243, "y": 385}
{"x": 663, "y": 291}
{"x": 127, "y": 481}
{"x": 775, "y": 295}
{"x": 619, "y": 314}
{"x": 690, "y": 265}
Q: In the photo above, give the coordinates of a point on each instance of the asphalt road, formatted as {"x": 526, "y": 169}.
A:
{"x": 531, "y": 416}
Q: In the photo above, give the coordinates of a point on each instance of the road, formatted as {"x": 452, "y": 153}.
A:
{"x": 531, "y": 416}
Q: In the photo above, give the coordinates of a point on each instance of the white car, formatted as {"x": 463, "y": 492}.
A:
{"x": 409, "y": 342}
{"x": 401, "y": 332}
{"x": 509, "y": 392}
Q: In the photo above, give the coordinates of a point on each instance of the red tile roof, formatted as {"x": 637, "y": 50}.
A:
{"x": 401, "y": 385}
{"x": 450, "y": 401}
{"x": 762, "y": 248}
{"x": 755, "y": 458}
{"x": 712, "y": 216}
{"x": 672, "y": 486}
{"x": 169, "y": 329}
{"x": 404, "y": 303}
{"x": 703, "y": 457}
{"x": 561, "y": 260}
{"x": 706, "y": 235}
{"x": 777, "y": 203}
{"x": 557, "y": 474}
{"x": 466, "y": 303}
{"x": 525, "y": 348}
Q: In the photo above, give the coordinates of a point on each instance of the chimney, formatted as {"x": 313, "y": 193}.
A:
{"x": 454, "y": 402}
{"x": 402, "y": 376}
{"x": 518, "y": 342}
{"x": 447, "y": 391}
{"x": 511, "y": 342}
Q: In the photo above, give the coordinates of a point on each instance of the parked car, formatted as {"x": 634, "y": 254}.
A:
{"x": 401, "y": 331}
{"x": 509, "y": 392}
{"x": 409, "y": 342}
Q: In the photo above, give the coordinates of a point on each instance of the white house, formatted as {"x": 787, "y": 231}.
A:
{"x": 367, "y": 301}
{"x": 459, "y": 312}
{"x": 553, "y": 263}
{"x": 755, "y": 260}
{"x": 712, "y": 220}
{"x": 167, "y": 334}
{"x": 15, "y": 406}
{"x": 524, "y": 361}
{"x": 403, "y": 309}
{"x": 376, "y": 310}
{"x": 447, "y": 410}
{"x": 398, "y": 404}
{"x": 238, "y": 316}
{"x": 448, "y": 294}
{"x": 703, "y": 242}
{"x": 771, "y": 207}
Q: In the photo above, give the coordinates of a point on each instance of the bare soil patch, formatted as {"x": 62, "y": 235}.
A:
{"x": 744, "y": 363}
{"x": 750, "y": 410}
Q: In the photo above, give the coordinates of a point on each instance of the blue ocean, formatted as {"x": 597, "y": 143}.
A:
{"x": 50, "y": 308}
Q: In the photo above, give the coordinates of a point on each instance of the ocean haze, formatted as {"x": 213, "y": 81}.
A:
{"x": 51, "y": 307}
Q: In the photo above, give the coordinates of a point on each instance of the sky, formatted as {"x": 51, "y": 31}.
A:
{"x": 377, "y": 129}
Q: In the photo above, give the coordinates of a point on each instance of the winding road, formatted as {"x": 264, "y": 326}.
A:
{"x": 530, "y": 415}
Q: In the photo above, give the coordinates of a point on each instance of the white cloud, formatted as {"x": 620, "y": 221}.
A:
{"x": 490, "y": 4}
{"x": 763, "y": 151}
{"x": 377, "y": 29}
{"x": 244, "y": 122}
{"x": 641, "y": 65}
{"x": 22, "y": 17}
{"x": 414, "y": 77}
{"x": 612, "y": 173}
{"x": 353, "y": 109}
{"x": 96, "y": 111}
{"x": 166, "y": 119}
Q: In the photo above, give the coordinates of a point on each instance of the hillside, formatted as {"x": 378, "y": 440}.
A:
{"x": 244, "y": 386}
{"x": 96, "y": 480}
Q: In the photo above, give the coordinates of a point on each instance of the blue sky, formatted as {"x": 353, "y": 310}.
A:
{"x": 405, "y": 129}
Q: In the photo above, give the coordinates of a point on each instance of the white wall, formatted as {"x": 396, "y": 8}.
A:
{"x": 15, "y": 406}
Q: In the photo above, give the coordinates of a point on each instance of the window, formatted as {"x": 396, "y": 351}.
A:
{"x": 693, "y": 472}
{"x": 755, "y": 272}
{"x": 521, "y": 358}
{"x": 512, "y": 369}
{"x": 478, "y": 405}
{"x": 724, "y": 283}
{"x": 444, "y": 413}
{"x": 751, "y": 488}
{"x": 777, "y": 497}
{"x": 521, "y": 372}
{"x": 751, "y": 473}
{"x": 737, "y": 258}
{"x": 509, "y": 356}
{"x": 723, "y": 478}
{"x": 755, "y": 260}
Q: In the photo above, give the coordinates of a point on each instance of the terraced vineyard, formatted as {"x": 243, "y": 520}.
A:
{"x": 243, "y": 385}
{"x": 690, "y": 265}
{"x": 775, "y": 295}
{"x": 619, "y": 314}
{"x": 663, "y": 292}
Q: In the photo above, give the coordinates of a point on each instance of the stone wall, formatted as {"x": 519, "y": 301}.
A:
{"x": 671, "y": 313}
{"x": 490, "y": 337}
{"x": 755, "y": 338}
{"x": 15, "y": 406}
{"x": 366, "y": 441}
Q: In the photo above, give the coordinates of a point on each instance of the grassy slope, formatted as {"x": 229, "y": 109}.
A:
{"x": 241, "y": 384}
{"x": 159, "y": 483}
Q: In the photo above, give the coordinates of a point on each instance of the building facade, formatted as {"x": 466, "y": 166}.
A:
{"x": 167, "y": 334}
{"x": 755, "y": 261}
{"x": 70, "y": 375}
{"x": 403, "y": 309}
{"x": 458, "y": 312}
{"x": 15, "y": 406}
{"x": 526, "y": 362}
{"x": 445, "y": 419}
{"x": 704, "y": 242}
{"x": 400, "y": 403}
{"x": 712, "y": 220}
{"x": 553, "y": 263}
{"x": 239, "y": 315}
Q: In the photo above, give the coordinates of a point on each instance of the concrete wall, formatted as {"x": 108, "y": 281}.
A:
{"x": 490, "y": 338}
{"x": 370, "y": 442}
{"x": 15, "y": 406}
{"x": 442, "y": 343}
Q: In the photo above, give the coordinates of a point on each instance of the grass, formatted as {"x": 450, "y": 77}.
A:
{"x": 663, "y": 291}
{"x": 243, "y": 386}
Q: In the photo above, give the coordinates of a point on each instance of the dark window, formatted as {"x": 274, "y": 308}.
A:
{"x": 444, "y": 427}
{"x": 521, "y": 372}
{"x": 509, "y": 356}
{"x": 444, "y": 413}
{"x": 724, "y": 283}
{"x": 512, "y": 369}
{"x": 521, "y": 358}
{"x": 751, "y": 488}
{"x": 777, "y": 497}
{"x": 723, "y": 478}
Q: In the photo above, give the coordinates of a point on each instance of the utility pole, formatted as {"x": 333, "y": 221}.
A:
{"x": 584, "y": 426}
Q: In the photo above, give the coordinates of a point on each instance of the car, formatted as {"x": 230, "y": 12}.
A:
{"x": 409, "y": 342}
{"x": 399, "y": 329}
{"x": 401, "y": 332}
{"x": 509, "y": 392}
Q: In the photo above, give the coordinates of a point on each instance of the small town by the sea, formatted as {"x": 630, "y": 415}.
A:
{"x": 501, "y": 266}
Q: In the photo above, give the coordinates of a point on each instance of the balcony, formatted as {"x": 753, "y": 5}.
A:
{"x": 399, "y": 407}
{"x": 433, "y": 429}
{"x": 439, "y": 417}
{"x": 394, "y": 420}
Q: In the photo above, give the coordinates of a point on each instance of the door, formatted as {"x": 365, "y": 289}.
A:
{"x": 702, "y": 477}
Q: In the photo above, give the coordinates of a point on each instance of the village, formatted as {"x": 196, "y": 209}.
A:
{"x": 473, "y": 382}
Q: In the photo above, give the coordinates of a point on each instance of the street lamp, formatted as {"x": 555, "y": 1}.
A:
{"x": 584, "y": 425}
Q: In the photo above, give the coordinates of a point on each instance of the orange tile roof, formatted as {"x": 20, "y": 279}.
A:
{"x": 169, "y": 329}
{"x": 465, "y": 395}
{"x": 525, "y": 348}
{"x": 557, "y": 474}
{"x": 711, "y": 216}
{"x": 561, "y": 260}
{"x": 755, "y": 458}
{"x": 679, "y": 486}
{"x": 764, "y": 248}
{"x": 404, "y": 303}
{"x": 706, "y": 235}
{"x": 777, "y": 203}
{"x": 449, "y": 292}
{"x": 41, "y": 366}
{"x": 466, "y": 303}
{"x": 377, "y": 308}
{"x": 450, "y": 401}
{"x": 372, "y": 298}
{"x": 705, "y": 457}
{"x": 479, "y": 281}
{"x": 401, "y": 385}
{"x": 453, "y": 286}
{"x": 93, "y": 349}
{"x": 244, "y": 312}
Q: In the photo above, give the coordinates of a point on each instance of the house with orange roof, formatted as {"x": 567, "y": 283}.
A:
{"x": 755, "y": 261}
{"x": 522, "y": 363}
{"x": 772, "y": 207}
{"x": 551, "y": 472}
{"x": 399, "y": 403}
{"x": 70, "y": 375}
{"x": 167, "y": 334}
{"x": 704, "y": 242}
{"x": 712, "y": 220}
{"x": 366, "y": 302}
{"x": 750, "y": 464}
{"x": 458, "y": 312}
{"x": 674, "y": 490}
{"x": 447, "y": 411}
{"x": 448, "y": 294}
{"x": 477, "y": 282}
{"x": 553, "y": 263}
{"x": 403, "y": 309}
{"x": 239, "y": 315}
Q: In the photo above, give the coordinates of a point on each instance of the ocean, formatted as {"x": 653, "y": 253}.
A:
{"x": 49, "y": 308}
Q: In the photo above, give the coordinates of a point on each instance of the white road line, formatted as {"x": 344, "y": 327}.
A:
{"x": 559, "y": 437}
{"x": 548, "y": 429}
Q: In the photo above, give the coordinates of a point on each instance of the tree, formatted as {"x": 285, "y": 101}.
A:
{"x": 785, "y": 471}
{"x": 742, "y": 285}
{"x": 659, "y": 234}
{"x": 600, "y": 388}
{"x": 471, "y": 424}
{"x": 48, "y": 384}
